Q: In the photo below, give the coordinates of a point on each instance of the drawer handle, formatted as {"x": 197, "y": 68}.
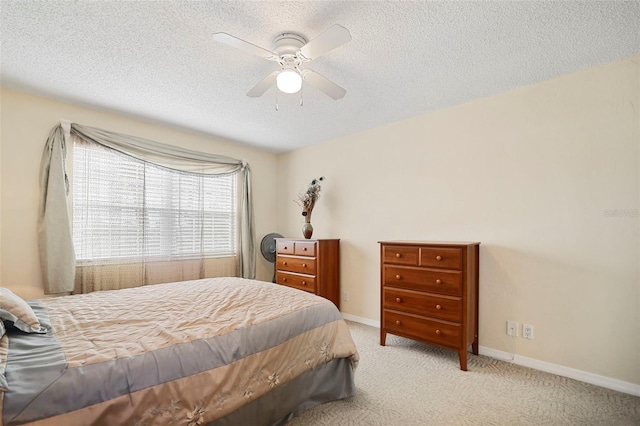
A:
{"x": 438, "y": 332}
{"x": 438, "y": 257}
{"x": 285, "y": 247}
{"x": 398, "y": 255}
{"x": 438, "y": 281}
{"x": 438, "y": 307}
{"x": 398, "y": 300}
{"x": 284, "y": 280}
{"x": 398, "y": 277}
{"x": 304, "y": 249}
{"x": 398, "y": 322}
{"x": 304, "y": 265}
{"x": 284, "y": 263}
{"x": 304, "y": 283}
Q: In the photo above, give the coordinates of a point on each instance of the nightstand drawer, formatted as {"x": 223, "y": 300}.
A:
{"x": 297, "y": 264}
{"x": 430, "y": 280}
{"x": 304, "y": 248}
{"x": 401, "y": 255}
{"x": 284, "y": 247}
{"x": 296, "y": 281}
{"x": 440, "y": 307}
{"x": 441, "y": 257}
{"x": 438, "y": 332}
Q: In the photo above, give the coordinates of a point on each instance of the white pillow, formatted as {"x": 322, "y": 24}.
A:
{"x": 17, "y": 311}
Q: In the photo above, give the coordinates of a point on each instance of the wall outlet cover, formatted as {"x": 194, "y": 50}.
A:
{"x": 527, "y": 331}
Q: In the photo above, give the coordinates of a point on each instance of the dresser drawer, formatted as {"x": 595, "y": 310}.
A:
{"x": 438, "y": 332}
{"x": 284, "y": 247}
{"x": 300, "y": 282}
{"x": 441, "y": 257}
{"x": 401, "y": 255}
{"x": 440, "y": 307}
{"x": 297, "y": 264}
{"x": 430, "y": 280}
{"x": 304, "y": 248}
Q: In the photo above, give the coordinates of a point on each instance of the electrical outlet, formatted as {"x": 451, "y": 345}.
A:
{"x": 527, "y": 331}
{"x": 512, "y": 328}
{"x": 345, "y": 296}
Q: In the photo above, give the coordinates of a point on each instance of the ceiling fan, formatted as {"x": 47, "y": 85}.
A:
{"x": 290, "y": 50}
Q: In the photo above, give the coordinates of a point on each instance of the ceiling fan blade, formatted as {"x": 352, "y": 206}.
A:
{"x": 264, "y": 84}
{"x": 245, "y": 45}
{"x": 333, "y": 37}
{"x": 325, "y": 85}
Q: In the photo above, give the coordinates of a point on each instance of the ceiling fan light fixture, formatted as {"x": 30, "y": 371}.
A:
{"x": 289, "y": 81}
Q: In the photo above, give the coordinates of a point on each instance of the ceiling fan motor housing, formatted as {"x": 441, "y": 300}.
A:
{"x": 288, "y": 43}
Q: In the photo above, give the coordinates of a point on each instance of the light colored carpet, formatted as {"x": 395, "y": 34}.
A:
{"x": 407, "y": 383}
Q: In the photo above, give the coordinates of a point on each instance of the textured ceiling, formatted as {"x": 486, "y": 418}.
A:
{"x": 157, "y": 60}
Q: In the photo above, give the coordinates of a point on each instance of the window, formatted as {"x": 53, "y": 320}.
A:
{"x": 126, "y": 210}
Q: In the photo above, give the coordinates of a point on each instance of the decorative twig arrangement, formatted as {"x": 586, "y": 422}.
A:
{"x": 307, "y": 200}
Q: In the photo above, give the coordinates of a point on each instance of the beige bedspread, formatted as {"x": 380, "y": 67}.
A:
{"x": 180, "y": 353}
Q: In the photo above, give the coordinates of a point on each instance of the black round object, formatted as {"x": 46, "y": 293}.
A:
{"x": 268, "y": 246}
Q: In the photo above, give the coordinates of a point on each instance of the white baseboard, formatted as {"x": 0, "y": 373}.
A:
{"x": 361, "y": 320}
{"x": 561, "y": 370}
{"x": 572, "y": 373}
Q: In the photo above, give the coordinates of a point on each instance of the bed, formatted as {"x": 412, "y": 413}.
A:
{"x": 222, "y": 351}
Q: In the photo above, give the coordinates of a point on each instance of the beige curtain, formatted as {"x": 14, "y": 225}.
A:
{"x": 57, "y": 257}
{"x": 54, "y": 230}
{"x": 113, "y": 277}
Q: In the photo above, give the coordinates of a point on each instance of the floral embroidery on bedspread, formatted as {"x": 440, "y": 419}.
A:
{"x": 196, "y": 417}
{"x": 240, "y": 382}
{"x": 306, "y": 351}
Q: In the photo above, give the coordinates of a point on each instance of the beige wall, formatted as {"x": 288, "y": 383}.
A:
{"x": 25, "y": 124}
{"x": 531, "y": 174}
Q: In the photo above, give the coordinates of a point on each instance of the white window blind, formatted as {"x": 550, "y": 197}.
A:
{"x": 127, "y": 210}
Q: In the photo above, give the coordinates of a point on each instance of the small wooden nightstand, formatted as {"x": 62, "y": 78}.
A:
{"x": 310, "y": 265}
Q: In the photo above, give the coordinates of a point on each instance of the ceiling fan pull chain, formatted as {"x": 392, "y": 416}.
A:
{"x": 276, "y": 99}
{"x": 301, "y": 89}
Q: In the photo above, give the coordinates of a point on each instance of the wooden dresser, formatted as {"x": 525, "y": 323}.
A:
{"x": 429, "y": 293}
{"x": 310, "y": 265}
